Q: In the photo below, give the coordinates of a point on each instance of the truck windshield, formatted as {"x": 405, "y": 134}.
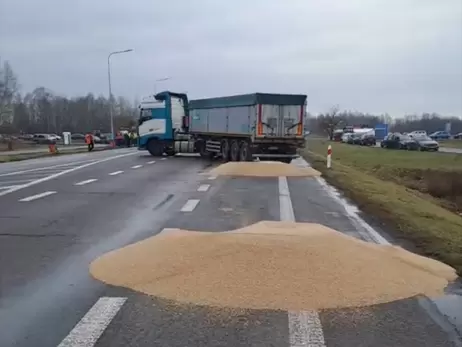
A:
{"x": 145, "y": 114}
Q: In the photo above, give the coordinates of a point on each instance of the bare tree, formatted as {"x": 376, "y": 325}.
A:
{"x": 329, "y": 121}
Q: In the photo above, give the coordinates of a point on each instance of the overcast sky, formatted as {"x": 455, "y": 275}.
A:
{"x": 396, "y": 56}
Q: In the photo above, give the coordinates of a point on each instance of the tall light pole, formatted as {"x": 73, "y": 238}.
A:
{"x": 110, "y": 90}
{"x": 159, "y": 80}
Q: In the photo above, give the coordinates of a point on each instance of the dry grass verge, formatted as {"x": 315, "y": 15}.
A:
{"x": 395, "y": 186}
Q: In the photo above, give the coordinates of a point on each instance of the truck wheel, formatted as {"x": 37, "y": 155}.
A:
{"x": 244, "y": 152}
{"x": 225, "y": 150}
{"x": 234, "y": 151}
{"x": 155, "y": 148}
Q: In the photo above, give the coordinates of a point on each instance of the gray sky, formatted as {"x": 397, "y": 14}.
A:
{"x": 396, "y": 56}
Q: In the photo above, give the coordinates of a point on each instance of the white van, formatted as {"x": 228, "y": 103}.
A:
{"x": 418, "y": 133}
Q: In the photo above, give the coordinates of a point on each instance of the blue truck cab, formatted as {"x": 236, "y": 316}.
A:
{"x": 162, "y": 117}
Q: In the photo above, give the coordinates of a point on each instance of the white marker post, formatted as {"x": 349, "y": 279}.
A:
{"x": 329, "y": 156}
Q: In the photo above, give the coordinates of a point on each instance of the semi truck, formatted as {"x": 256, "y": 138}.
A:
{"x": 235, "y": 128}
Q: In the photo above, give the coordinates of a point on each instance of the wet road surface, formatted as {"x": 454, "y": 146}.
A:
{"x": 51, "y": 231}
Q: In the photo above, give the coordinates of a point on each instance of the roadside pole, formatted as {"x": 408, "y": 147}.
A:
{"x": 329, "y": 156}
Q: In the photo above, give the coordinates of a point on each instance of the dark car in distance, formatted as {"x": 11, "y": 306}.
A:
{"x": 440, "y": 135}
{"x": 368, "y": 140}
{"x": 399, "y": 141}
{"x": 426, "y": 143}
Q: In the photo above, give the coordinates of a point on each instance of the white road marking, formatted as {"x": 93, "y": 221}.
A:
{"x": 203, "y": 187}
{"x": 82, "y": 183}
{"x": 363, "y": 228}
{"x": 286, "y": 210}
{"x": 136, "y": 166}
{"x": 163, "y": 158}
{"x": 151, "y": 162}
{"x": 7, "y": 187}
{"x": 45, "y": 168}
{"x": 305, "y": 328}
{"x": 90, "y": 328}
{"x": 190, "y": 205}
{"x": 115, "y": 173}
{"x": 212, "y": 177}
{"x": 48, "y": 178}
{"x": 37, "y": 196}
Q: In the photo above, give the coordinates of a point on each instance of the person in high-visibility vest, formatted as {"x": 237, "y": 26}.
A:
{"x": 89, "y": 141}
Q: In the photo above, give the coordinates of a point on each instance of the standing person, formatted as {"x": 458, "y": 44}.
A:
{"x": 132, "y": 138}
{"x": 127, "y": 139}
{"x": 89, "y": 141}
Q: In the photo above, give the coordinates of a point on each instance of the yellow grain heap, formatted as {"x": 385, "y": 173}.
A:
{"x": 271, "y": 265}
{"x": 263, "y": 169}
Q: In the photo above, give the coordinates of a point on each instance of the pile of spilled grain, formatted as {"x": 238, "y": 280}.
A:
{"x": 263, "y": 169}
{"x": 271, "y": 265}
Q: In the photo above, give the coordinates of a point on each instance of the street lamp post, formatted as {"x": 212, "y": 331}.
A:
{"x": 110, "y": 90}
{"x": 159, "y": 80}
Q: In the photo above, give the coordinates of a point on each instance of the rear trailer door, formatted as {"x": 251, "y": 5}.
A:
{"x": 280, "y": 121}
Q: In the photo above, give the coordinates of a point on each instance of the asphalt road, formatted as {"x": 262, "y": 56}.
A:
{"x": 58, "y": 214}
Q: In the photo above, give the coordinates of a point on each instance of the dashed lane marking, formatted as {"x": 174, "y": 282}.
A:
{"x": 37, "y": 196}
{"x": 55, "y": 175}
{"x": 82, "y": 183}
{"x": 304, "y": 326}
{"x": 203, "y": 187}
{"x": 115, "y": 173}
{"x": 212, "y": 177}
{"x": 151, "y": 162}
{"x": 136, "y": 166}
{"x": 163, "y": 159}
{"x": 305, "y": 329}
{"x": 190, "y": 205}
{"x": 90, "y": 328}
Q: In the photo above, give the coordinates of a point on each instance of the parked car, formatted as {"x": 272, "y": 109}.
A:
{"x": 368, "y": 139}
{"x": 399, "y": 141}
{"x": 345, "y": 137}
{"x": 44, "y": 139}
{"x": 78, "y": 136}
{"x": 26, "y": 137}
{"x": 426, "y": 143}
{"x": 417, "y": 133}
{"x": 354, "y": 139}
{"x": 57, "y": 137}
{"x": 458, "y": 136}
{"x": 440, "y": 135}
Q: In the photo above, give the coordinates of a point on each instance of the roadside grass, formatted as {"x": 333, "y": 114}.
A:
{"x": 392, "y": 186}
{"x": 451, "y": 143}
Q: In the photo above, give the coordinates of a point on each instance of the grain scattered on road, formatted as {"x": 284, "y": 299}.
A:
{"x": 271, "y": 265}
{"x": 262, "y": 169}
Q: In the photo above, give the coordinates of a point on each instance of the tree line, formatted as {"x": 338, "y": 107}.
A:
{"x": 42, "y": 111}
{"x": 326, "y": 123}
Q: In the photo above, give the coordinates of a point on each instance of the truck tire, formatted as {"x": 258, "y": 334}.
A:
{"x": 234, "y": 151}
{"x": 244, "y": 152}
{"x": 285, "y": 160}
{"x": 155, "y": 148}
{"x": 225, "y": 150}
